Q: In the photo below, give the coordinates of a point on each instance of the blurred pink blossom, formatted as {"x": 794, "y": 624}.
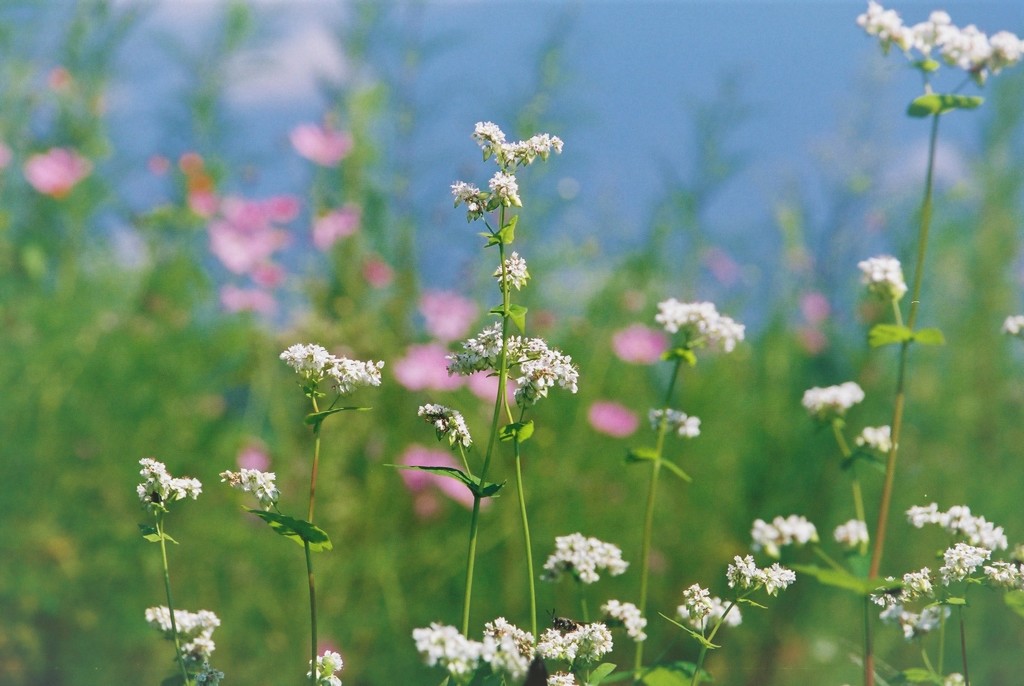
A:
{"x": 158, "y": 165}
{"x": 56, "y": 171}
{"x": 447, "y": 315}
{"x": 253, "y": 456}
{"x": 812, "y": 340}
{"x": 5, "y": 155}
{"x": 722, "y": 266}
{"x": 321, "y": 144}
{"x": 612, "y": 418}
{"x": 235, "y": 299}
{"x": 244, "y": 236}
{"x": 377, "y": 272}
{"x": 59, "y": 79}
{"x": 814, "y": 307}
{"x": 203, "y": 203}
{"x": 424, "y": 367}
{"x": 268, "y": 275}
{"x": 484, "y": 385}
{"x": 419, "y": 481}
{"x": 639, "y": 344}
{"x": 341, "y": 223}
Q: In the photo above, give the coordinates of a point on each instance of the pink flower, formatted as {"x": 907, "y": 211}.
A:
{"x": 722, "y": 266}
{"x": 639, "y": 344}
{"x": 268, "y": 275}
{"x": 158, "y": 165}
{"x": 425, "y": 367}
{"x": 244, "y": 237}
{"x": 335, "y": 225}
{"x": 612, "y": 418}
{"x": 420, "y": 481}
{"x": 484, "y": 385}
{"x": 447, "y": 315}
{"x": 235, "y": 299}
{"x": 56, "y": 171}
{"x": 321, "y": 144}
{"x": 377, "y": 272}
{"x": 5, "y": 155}
{"x": 203, "y": 203}
{"x": 814, "y": 307}
{"x": 253, "y": 456}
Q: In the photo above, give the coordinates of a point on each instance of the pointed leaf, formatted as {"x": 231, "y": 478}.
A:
{"x": 921, "y": 676}
{"x": 748, "y": 601}
{"x": 888, "y": 334}
{"x": 487, "y": 490}
{"x": 517, "y": 313}
{"x": 684, "y": 354}
{"x": 678, "y": 673}
{"x": 317, "y": 418}
{"x": 955, "y": 601}
{"x": 521, "y": 431}
{"x": 845, "y": 580}
{"x": 150, "y": 534}
{"x": 507, "y": 234}
{"x": 642, "y": 455}
{"x": 598, "y": 674}
{"x": 699, "y": 638}
{"x": 936, "y": 103}
{"x": 931, "y": 336}
{"x": 674, "y": 468}
{"x": 297, "y": 530}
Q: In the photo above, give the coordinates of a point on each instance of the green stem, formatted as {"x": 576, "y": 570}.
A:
{"x": 526, "y": 537}
{"x": 963, "y": 644}
{"x": 652, "y": 488}
{"x": 170, "y": 602}
{"x": 474, "y": 529}
{"x": 900, "y": 400}
{"x": 858, "y": 496}
{"x": 309, "y": 556}
{"x": 703, "y": 647}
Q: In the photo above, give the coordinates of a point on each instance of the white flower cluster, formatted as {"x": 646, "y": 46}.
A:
{"x": 447, "y": 423}
{"x": 314, "y": 364}
{"x": 1013, "y": 325}
{"x": 883, "y": 276}
{"x": 586, "y": 644}
{"x": 914, "y": 585}
{"x": 676, "y": 422}
{"x": 628, "y": 615}
{"x": 444, "y": 646}
{"x": 782, "y": 531}
{"x": 159, "y": 488}
{"x": 561, "y": 679}
{"x": 915, "y": 624}
{"x": 700, "y": 323}
{"x": 504, "y": 189}
{"x": 700, "y": 609}
{"x": 327, "y": 665}
{"x": 967, "y": 48}
{"x": 500, "y": 629}
{"x": 832, "y": 401}
{"x": 959, "y": 522}
{"x": 583, "y": 557}
{"x": 960, "y": 561}
{"x": 851, "y": 534}
{"x": 1005, "y": 575}
{"x": 540, "y": 367}
{"x": 875, "y": 437}
{"x": 514, "y": 275}
{"x": 746, "y": 576}
{"x": 260, "y": 484}
{"x": 195, "y": 631}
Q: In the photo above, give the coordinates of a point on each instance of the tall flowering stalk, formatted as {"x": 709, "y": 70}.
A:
{"x": 927, "y": 45}
{"x": 696, "y": 325}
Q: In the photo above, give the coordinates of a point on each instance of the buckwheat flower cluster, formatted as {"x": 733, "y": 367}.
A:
{"x": 448, "y": 423}
{"x": 832, "y": 401}
{"x": 1013, "y": 325}
{"x": 700, "y": 324}
{"x": 480, "y": 353}
{"x": 627, "y": 615}
{"x": 744, "y": 575}
{"x": 914, "y": 585}
{"x": 514, "y": 275}
{"x": 472, "y": 197}
{"x": 883, "y": 277}
{"x": 314, "y": 364}
{"x": 852, "y": 534}
{"x": 327, "y": 665}
{"x": 541, "y": 368}
{"x": 676, "y": 422}
{"x": 782, "y": 531}
{"x": 561, "y": 679}
{"x": 159, "y": 488}
{"x": 915, "y": 624}
{"x": 583, "y": 557}
{"x": 961, "y": 561}
{"x": 444, "y": 646}
{"x": 959, "y": 522}
{"x": 1005, "y": 575}
{"x": 260, "y": 484}
{"x": 500, "y": 629}
{"x": 875, "y": 437}
{"x": 585, "y": 644}
{"x": 195, "y": 631}
{"x": 504, "y": 656}
{"x": 505, "y": 189}
{"x": 700, "y": 609}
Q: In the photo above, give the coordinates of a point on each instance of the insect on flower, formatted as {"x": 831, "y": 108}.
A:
{"x": 537, "y": 674}
{"x": 563, "y": 624}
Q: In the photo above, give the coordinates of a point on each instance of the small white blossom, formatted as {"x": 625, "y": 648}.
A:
{"x": 832, "y": 401}
{"x": 159, "y": 488}
{"x": 447, "y": 423}
{"x": 628, "y": 615}
{"x": 445, "y": 646}
{"x": 959, "y": 522}
{"x": 260, "y": 484}
{"x": 195, "y": 632}
{"x": 883, "y": 276}
{"x": 514, "y": 275}
{"x": 744, "y": 574}
{"x": 777, "y": 578}
{"x": 540, "y": 368}
{"x": 314, "y": 364}
{"x": 676, "y": 422}
{"x": 703, "y": 612}
{"x": 479, "y": 353}
{"x": 327, "y": 665}
{"x": 782, "y": 531}
{"x": 523, "y": 153}
{"x": 501, "y": 628}
{"x": 583, "y": 557}
{"x": 1005, "y": 575}
{"x": 851, "y": 534}
{"x": 961, "y": 561}
{"x": 472, "y": 197}
{"x": 587, "y": 644}
{"x": 916, "y": 585}
{"x": 954, "y": 679}
{"x": 503, "y": 655}
{"x": 875, "y": 437}
{"x": 700, "y": 324}
{"x": 887, "y": 26}
{"x": 915, "y": 624}
{"x": 489, "y": 137}
{"x": 561, "y": 679}
{"x": 505, "y": 188}
{"x": 1013, "y": 325}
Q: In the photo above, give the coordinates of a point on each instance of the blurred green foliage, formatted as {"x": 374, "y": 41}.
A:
{"x": 103, "y": 362}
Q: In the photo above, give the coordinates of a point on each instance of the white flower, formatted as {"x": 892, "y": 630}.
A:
{"x": 919, "y": 515}
{"x": 587, "y": 643}
{"x": 514, "y": 275}
{"x": 314, "y": 364}
{"x": 522, "y": 153}
{"x": 447, "y": 423}
{"x": 506, "y": 189}
{"x": 676, "y": 422}
{"x": 500, "y": 629}
{"x": 852, "y": 534}
{"x": 700, "y": 610}
{"x": 794, "y": 529}
{"x": 777, "y": 578}
{"x": 159, "y": 488}
{"x": 327, "y": 665}
{"x": 886, "y": 25}
{"x": 195, "y": 631}
{"x": 876, "y": 437}
{"x": 478, "y": 354}
{"x": 959, "y": 522}
{"x": 832, "y": 401}
{"x": 540, "y": 368}
{"x": 472, "y": 197}
{"x": 445, "y": 646}
{"x": 883, "y": 277}
{"x": 583, "y": 557}
{"x": 260, "y": 484}
{"x": 349, "y": 375}
{"x": 960, "y": 562}
{"x": 912, "y": 623}
{"x": 561, "y": 679}
{"x": 1014, "y": 325}
{"x": 1005, "y": 575}
{"x": 489, "y": 137}
{"x": 954, "y": 679}
{"x": 916, "y": 585}
{"x": 700, "y": 324}
{"x": 629, "y": 616}
{"x": 745, "y": 575}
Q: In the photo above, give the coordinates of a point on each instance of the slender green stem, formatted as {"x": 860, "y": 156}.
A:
{"x": 900, "y": 400}
{"x": 652, "y": 489}
{"x": 858, "y": 496}
{"x": 474, "y": 529}
{"x": 584, "y": 610}
{"x": 309, "y": 556}
{"x": 526, "y": 537}
{"x": 704, "y": 648}
{"x": 963, "y": 644}
{"x": 170, "y": 601}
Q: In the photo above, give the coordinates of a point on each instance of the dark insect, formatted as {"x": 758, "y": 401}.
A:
{"x": 563, "y": 624}
{"x": 155, "y": 497}
{"x": 537, "y": 674}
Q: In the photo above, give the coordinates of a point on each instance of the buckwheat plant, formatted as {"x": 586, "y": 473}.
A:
{"x": 932, "y": 47}
{"x": 321, "y": 375}
{"x": 695, "y": 326}
{"x": 190, "y": 632}
{"x": 534, "y": 366}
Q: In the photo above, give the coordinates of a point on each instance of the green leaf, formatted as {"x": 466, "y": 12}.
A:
{"x": 748, "y": 601}
{"x": 317, "y": 418}
{"x": 1015, "y": 601}
{"x": 675, "y": 469}
{"x": 150, "y": 534}
{"x": 843, "y": 579}
{"x": 642, "y": 455}
{"x": 517, "y": 313}
{"x": 927, "y": 65}
{"x": 507, "y": 234}
{"x": 520, "y": 431}
{"x": 684, "y": 354}
{"x": 698, "y": 637}
{"x": 936, "y": 103}
{"x": 919, "y": 675}
{"x": 486, "y": 490}
{"x": 930, "y": 336}
{"x": 675, "y": 674}
{"x": 598, "y": 674}
{"x": 955, "y": 601}
{"x": 297, "y": 530}
{"x": 888, "y": 334}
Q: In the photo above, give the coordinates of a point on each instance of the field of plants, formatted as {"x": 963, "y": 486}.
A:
{"x": 497, "y": 451}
